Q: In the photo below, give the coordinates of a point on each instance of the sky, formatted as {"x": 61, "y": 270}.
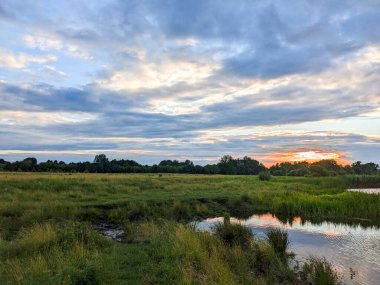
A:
{"x": 164, "y": 79}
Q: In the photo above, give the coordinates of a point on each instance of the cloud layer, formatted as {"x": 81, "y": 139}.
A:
{"x": 190, "y": 79}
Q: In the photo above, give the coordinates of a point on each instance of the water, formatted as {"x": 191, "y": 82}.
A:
{"x": 350, "y": 248}
{"x": 366, "y": 190}
{"x": 110, "y": 231}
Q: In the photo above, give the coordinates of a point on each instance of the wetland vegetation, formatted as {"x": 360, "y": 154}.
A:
{"x": 49, "y": 231}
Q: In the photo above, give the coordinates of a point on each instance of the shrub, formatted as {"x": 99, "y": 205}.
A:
{"x": 234, "y": 234}
{"x": 264, "y": 176}
{"x": 279, "y": 241}
{"x": 318, "y": 271}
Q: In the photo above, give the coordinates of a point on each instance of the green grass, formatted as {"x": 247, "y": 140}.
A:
{"x": 46, "y": 235}
{"x": 234, "y": 234}
{"x": 279, "y": 241}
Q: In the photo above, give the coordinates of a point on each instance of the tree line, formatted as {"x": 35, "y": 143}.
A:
{"x": 226, "y": 165}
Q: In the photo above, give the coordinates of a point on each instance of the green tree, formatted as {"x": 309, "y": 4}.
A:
{"x": 102, "y": 163}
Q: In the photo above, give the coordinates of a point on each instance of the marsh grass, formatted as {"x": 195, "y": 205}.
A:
{"x": 279, "y": 241}
{"x": 234, "y": 234}
{"x": 218, "y": 259}
{"x": 155, "y": 253}
{"x": 46, "y": 235}
{"x": 48, "y": 253}
{"x": 36, "y": 197}
{"x": 318, "y": 271}
{"x": 362, "y": 181}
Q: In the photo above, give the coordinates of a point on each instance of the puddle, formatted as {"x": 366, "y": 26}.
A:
{"x": 110, "y": 231}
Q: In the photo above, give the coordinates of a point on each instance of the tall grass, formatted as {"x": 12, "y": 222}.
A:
{"x": 27, "y": 198}
{"x": 318, "y": 271}
{"x": 234, "y": 234}
{"x": 46, "y": 235}
{"x": 279, "y": 241}
{"x": 219, "y": 259}
{"x": 362, "y": 181}
{"x": 53, "y": 254}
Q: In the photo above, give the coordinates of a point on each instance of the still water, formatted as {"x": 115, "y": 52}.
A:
{"x": 366, "y": 190}
{"x": 349, "y": 248}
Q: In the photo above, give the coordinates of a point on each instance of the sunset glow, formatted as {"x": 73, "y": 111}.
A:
{"x": 308, "y": 156}
{"x": 312, "y": 156}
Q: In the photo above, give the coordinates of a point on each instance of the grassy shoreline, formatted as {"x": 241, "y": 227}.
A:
{"x": 46, "y": 234}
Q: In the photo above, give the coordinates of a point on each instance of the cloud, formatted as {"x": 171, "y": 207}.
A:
{"x": 54, "y": 72}
{"x": 21, "y": 118}
{"x": 43, "y": 43}
{"x": 21, "y": 60}
{"x": 46, "y": 42}
{"x": 157, "y": 75}
{"x": 185, "y": 78}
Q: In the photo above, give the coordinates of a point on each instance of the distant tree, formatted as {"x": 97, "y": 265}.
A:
{"x": 102, "y": 163}
{"x": 3, "y": 164}
{"x": 330, "y": 165}
{"x": 211, "y": 169}
{"x": 227, "y": 165}
{"x": 246, "y": 165}
{"x": 28, "y": 164}
{"x": 281, "y": 169}
{"x": 317, "y": 170}
{"x": 169, "y": 162}
{"x": 365, "y": 169}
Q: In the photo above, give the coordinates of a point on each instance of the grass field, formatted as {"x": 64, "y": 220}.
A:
{"x": 46, "y": 233}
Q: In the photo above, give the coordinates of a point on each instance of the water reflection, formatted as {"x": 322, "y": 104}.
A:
{"x": 350, "y": 248}
{"x": 366, "y": 190}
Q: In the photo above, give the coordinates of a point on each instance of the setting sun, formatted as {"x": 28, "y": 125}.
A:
{"x": 313, "y": 156}
{"x": 305, "y": 155}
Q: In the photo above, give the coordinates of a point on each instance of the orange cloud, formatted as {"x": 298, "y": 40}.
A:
{"x": 303, "y": 155}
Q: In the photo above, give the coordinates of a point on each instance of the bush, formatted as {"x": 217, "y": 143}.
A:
{"x": 234, "y": 234}
{"x": 279, "y": 241}
{"x": 264, "y": 176}
{"x": 318, "y": 271}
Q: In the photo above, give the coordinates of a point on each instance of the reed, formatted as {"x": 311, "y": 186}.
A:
{"x": 318, "y": 271}
{"x": 279, "y": 241}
